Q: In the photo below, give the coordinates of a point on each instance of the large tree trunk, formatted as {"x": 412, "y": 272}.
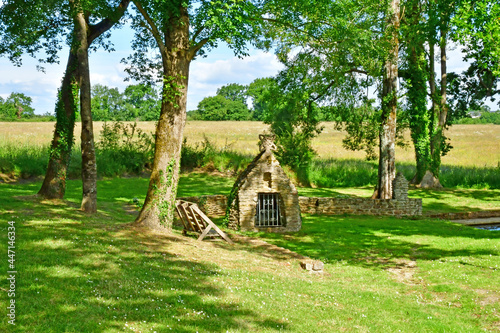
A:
{"x": 158, "y": 209}
{"x": 439, "y": 120}
{"x": 417, "y": 91}
{"x": 89, "y": 170}
{"x": 387, "y": 156}
{"x": 54, "y": 184}
{"x": 420, "y": 122}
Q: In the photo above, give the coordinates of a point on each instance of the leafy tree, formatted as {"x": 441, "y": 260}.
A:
{"x": 16, "y": 106}
{"x": 333, "y": 53}
{"x": 233, "y": 92}
{"x": 416, "y": 75}
{"x": 434, "y": 23}
{"x": 258, "y": 91}
{"x": 178, "y": 31}
{"x": 142, "y": 102}
{"x": 213, "y": 108}
{"x": 137, "y": 102}
{"x": 220, "y": 108}
{"x": 107, "y": 103}
{"x": 294, "y": 121}
{"x": 477, "y": 28}
{"x": 29, "y": 27}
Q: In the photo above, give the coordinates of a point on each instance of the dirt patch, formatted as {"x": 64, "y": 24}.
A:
{"x": 404, "y": 271}
{"x": 247, "y": 253}
{"x": 488, "y": 297}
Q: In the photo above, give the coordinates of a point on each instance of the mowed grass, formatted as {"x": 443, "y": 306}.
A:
{"x": 80, "y": 273}
{"x": 473, "y": 145}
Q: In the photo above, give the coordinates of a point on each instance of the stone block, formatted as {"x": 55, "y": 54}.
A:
{"x": 312, "y": 265}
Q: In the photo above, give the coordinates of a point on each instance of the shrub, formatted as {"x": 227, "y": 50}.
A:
{"x": 124, "y": 148}
{"x": 207, "y": 155}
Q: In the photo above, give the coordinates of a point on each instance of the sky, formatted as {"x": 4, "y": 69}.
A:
{"x": 208, "y": 74}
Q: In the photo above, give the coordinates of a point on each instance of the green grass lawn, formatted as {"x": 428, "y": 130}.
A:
{"x": 79, "y": 273}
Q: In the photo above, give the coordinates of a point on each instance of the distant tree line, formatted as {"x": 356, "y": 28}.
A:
{"x": 16, "y": 107}
{"x": 246, "y": 102}
{"x": 484, "y": 115}
{"x": 136, "y": 102}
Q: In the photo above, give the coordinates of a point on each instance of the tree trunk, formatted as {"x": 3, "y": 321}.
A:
{"x": 440, "y": 115}
{"x": 417, "y": 92}
{"x": 158, "y": 209}
{"x": 54, "y": 184}
{"x": 387, "y": 157}
{"x": 89, "y": 171}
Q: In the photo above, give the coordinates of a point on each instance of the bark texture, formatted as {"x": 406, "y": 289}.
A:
{"x": 89, "y": 169}
{"x": 387, "y": 157}
{"x": 440, "y": 116}
{"x": 54, "y": 183}
{"x": 417, "y": 91}
{"x": 158, "y": 209}
{"x": 76, "y": 78}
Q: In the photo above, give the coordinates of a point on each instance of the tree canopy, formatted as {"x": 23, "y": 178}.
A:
{"x": 15, "y": 107}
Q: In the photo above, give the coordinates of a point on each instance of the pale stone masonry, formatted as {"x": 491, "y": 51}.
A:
{"x": 400, "y": 187}
{"x": 400, "y": 205}
{"x": 263, "y": 198}
{"x": 212, "y": 205}
{"x": 361, "y": 206}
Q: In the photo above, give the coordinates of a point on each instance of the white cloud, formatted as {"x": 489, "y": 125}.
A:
{"x": 41, "y": 87}
{"x": 207, "y": 75}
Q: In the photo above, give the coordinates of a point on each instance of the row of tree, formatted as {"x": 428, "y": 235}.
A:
{"x": 137, "y": 102}
{"x": 337, "y": 50}
{"x": 332, "y": 51}
{"x": 231, "y": 102}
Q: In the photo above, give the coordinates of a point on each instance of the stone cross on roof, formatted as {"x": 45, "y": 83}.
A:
{"x": 266, "y": 142}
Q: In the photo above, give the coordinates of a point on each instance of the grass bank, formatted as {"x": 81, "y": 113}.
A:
{"x": 28, "y": 161}
{"x": 473, "y": 145}
{"x": 80, "y": 273}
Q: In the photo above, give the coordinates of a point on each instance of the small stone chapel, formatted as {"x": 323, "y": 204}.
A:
{"x": 263, "y": 198}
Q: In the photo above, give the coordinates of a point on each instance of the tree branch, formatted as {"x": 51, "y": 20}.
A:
{"x": 154, "y": 29}
{"x": 198, "y": 32}
{"x": 195, "y": 48}
{"x": 106, "y": 24}
{"x": 332, "y": 83}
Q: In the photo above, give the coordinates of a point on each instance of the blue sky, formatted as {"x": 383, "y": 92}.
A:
{"x": 208, "y": 74}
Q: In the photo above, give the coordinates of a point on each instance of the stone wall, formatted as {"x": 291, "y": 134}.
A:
{"x": 215, "y": 206}
{"x": 400, "y": 205}
{"x": 211, "y": 205}
{"x": 360, "y": 206}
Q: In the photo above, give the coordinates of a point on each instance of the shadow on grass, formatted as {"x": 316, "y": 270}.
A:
{"x": 382, "y": 242}
{"x": 452, "y": 200}
{"x": 80, "y": 273}
{"x": 201, "y": 184}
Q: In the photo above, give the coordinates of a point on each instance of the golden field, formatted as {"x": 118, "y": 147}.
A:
{"x": 473, "y": 145}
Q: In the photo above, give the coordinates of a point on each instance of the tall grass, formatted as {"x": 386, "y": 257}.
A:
{"x": 207, "y": 155}
{"x": 134, "y": 157}
{"x": 23, "y": 161}
{"x": 355, "y": 172}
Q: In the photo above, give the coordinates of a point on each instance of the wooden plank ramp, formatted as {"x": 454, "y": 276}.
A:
{"x": 193, "y": 219}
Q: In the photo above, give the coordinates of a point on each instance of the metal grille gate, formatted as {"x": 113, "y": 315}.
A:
{"x": 268, "y": 210}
